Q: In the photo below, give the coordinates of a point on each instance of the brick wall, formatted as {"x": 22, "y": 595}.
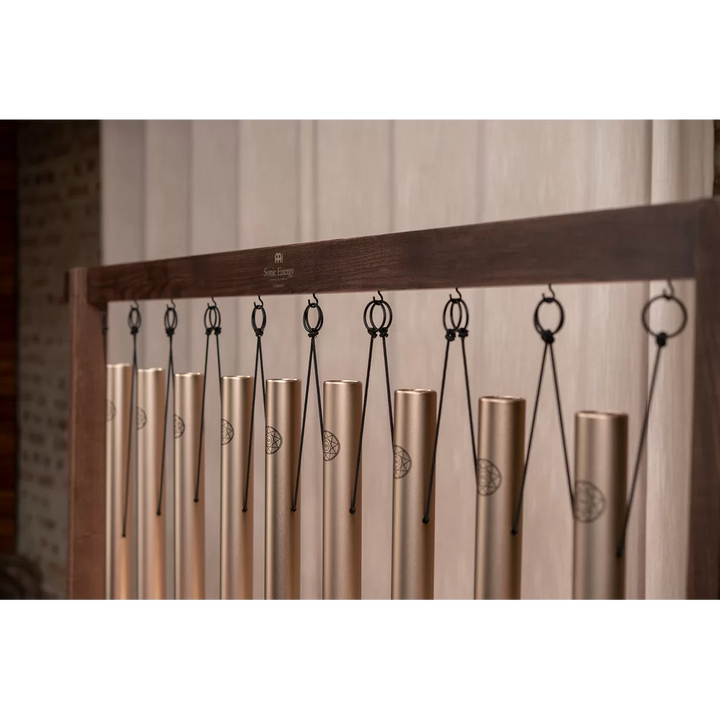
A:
{"x": 59, "y": 227}
{"x": 8, "y": 334}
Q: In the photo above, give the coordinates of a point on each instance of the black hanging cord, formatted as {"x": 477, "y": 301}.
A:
{"x": 454, "y": 327}
{"x": 548, "y": 337}
{"x": 171, "y": 322}
{"x": 374, "y": 331}
{"x": 312, "y": 331}
{"x": 212, "y": 321}
{"x": 661, "y": 339}
{"x": 134, "y": 323}
{"x": 258, "y": 358}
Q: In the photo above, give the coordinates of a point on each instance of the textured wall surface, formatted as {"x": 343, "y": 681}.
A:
{"x": 59, "y": 224}
{"x": 8, "y": 334}
{"x": 177, "y": 188}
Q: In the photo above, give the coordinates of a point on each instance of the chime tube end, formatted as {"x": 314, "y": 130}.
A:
{"x": 413, "y": 541}
{"x": 499, "y": 471}
{"x": 342, "y": 530}
{"x": 237, "y": 487}
{"x": 601, "y": 452}
{"x": 151, "y": 525}
{"x": 282, "y": 526}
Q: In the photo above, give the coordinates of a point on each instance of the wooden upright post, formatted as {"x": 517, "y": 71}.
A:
{"x": 86, "y": 486}
{"x": 704, "y": 547}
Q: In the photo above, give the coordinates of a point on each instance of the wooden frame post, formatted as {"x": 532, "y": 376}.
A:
{"x": 86, "y": 487}
{"x": 704, "y": 547}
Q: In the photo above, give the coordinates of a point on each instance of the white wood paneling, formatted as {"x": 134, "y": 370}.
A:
{"x": 353, "y": 197}
{"x": 213, "y": 229}
{"x": 167, "y": 234}
{"x": 269, "y": 214}
{"x": 435, "y": 184}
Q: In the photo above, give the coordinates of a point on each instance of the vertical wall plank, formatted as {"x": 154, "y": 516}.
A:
{"x": 268, "y": 214}
{"x": 167, "y": 232}
{"x": 435, "y": 184}
{"x": 526, "y": 169}
{"x": 123, "y": 234}
{"x": 681, "y": 170}
{"x": 353, "y": 198}
{"x": 214, "y": 229}
{"x": 123, "y": 214}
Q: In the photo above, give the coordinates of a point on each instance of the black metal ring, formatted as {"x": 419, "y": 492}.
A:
{"x": 464, "y": 315}
{"x": 134, "y": 317}
{"x": 536, "y": 317}
{"x": 669, "y": 298}
{"x": 372, "y": 328}
{"x": 306, "y": 317}
{"x": 212, "y": 318}
{"x": 171, "y": 318}
{"x": 386, "y": 304}
{"x": 261, "y": 308}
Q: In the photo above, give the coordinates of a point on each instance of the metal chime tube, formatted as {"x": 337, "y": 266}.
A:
{"x": 342, "y": 531}
{"x": 151, "y": 526}
{"x": 236, "y": 526}
{"x": 501, "y": 457}
{"x": 118, "y": 549}
{"x": 189, "y": 515}
{"x": 413, "y": 542}
{"x": 601, "y": 447}
{"x": 282, "y": 527}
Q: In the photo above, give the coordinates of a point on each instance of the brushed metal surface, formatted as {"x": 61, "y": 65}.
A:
{"x": 282, "y": 526}
{"x": 501, "y": 457}
{"x": 342, "y": 531}
{"x": 189, "y": 515}
{"x": 236, "y": 526}
{"x": 152, "y": 385}
{"x": 601, "y": 448}
{"x": 118, "y": 549}
{"x": 413, "y": 542}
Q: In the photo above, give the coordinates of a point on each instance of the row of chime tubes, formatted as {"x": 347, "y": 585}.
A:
{"x": 600, "y": 454}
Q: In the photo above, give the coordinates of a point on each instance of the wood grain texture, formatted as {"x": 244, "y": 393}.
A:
{"x": 704, "y": 545}
{"x": 87, "y": 425}
{"x": 639, "y": 243}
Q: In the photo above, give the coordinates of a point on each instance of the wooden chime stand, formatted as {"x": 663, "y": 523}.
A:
{"x": 679, "y": 240}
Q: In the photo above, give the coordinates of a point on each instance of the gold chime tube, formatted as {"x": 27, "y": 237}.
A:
{"x": 151, "y": 526}
{"x": 413, "y": 541}
{"x": 189, "y": 515}
{"x": 601, "y": 447}
{"x": 342, "y": 531}
{"x": 118, "y": 549}
{"x": 501, "y": 457}
{"x": 236, "y": 526}
{"x": 282, "y": 527}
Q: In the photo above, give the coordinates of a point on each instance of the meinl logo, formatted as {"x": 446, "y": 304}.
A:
{"x": 278, "y": 258}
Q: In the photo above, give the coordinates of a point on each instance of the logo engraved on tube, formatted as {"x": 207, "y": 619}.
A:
{"x": 488, "y": 477}
{"x": 589, "y": 502}
{"x": 331, "y": 446}
{"x": 278, "y": 258}
{"x": 402, "y": 462}
{"x": 109, "y": 410}
{"x": 273, "y": 440}
{"x": 141, "y": 418}
{"x": 228, "y": 432}
{"x": 178, "y": 427}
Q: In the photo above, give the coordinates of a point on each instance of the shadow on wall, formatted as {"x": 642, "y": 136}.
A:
{"x": 20, "y": 579}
